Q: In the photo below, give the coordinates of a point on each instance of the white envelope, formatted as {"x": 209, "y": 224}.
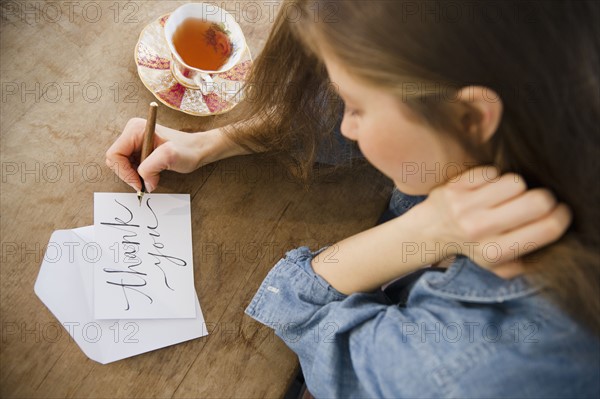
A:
{"x": 65, "y": 286}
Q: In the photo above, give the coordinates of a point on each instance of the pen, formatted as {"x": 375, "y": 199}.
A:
{"x": 148, "y": 143}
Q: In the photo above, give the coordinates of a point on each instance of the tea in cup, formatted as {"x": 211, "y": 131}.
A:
{"x": 204, "y": 39}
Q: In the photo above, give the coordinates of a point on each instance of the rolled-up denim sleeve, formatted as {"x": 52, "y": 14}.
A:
{"x": 292, "y": 292}
{"x": 347, "y": 346}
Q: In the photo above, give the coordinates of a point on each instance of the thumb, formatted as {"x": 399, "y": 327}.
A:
{"x": 160, "y": 159}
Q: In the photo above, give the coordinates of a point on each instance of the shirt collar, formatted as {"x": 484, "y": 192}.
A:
{"x": 466, "y": 281}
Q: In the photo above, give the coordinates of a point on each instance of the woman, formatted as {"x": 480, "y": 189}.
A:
{"x": 430, "y": 90}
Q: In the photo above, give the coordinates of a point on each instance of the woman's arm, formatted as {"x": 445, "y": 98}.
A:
{"x": 492, "y": 220}
{"x": 369, "y": 259}
{"x": 173, "y": 150}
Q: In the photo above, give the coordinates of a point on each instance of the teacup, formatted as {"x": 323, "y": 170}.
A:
{"x": 190, "y": 76}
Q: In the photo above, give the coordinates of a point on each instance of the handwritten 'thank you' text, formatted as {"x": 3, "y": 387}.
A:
{"x": 146, "y": 270}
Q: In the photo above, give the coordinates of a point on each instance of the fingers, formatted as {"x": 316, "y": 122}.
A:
{"x": 528, "y": 238}
{"x": 160, "y": 159}
{"x": 517, "y": 211}
{"x": 129, "y": 142}
{"x": 509, "y": 270}
{"x": 542, "y": 232}
{"x": 493, "y": 193}
{"x": 173, "y": 150}
{"x": 123, "y": 168}
{"x": 500, "y": 218}
{"x": 476, "y": 177}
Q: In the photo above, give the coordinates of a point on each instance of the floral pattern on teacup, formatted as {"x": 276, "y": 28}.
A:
{"x": 154, "y": 61}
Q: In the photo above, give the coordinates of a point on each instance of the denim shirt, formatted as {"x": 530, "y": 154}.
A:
{"x": 461, "y": 333}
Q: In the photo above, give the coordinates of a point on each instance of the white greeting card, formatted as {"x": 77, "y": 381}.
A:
{"x": 146, "y": 268}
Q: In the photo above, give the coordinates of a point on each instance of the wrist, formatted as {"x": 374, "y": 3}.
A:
{"x": 221, "y": 147}
{"x": 430, "y": 238}
{"x": 228, "y": 147}
{"x": 440, "y": 230}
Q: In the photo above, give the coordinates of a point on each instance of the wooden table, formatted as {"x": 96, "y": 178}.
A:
{"x": 246, "y": 212}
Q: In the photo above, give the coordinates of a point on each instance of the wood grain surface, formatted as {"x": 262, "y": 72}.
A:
{"x": 246, "y": 212}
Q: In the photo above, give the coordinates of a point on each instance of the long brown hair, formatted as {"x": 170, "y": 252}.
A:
{"x": 290, "y": 102}
{"x": 541, "y": 57}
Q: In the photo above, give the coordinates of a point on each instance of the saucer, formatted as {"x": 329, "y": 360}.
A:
{"x": 154, "y": 62}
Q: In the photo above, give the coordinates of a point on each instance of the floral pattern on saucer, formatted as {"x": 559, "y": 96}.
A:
{"x": 153, "y": 60}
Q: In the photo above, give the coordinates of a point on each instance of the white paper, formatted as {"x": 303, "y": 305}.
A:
{"x": 146, "y": 269}
{"x": 65, "y": 286}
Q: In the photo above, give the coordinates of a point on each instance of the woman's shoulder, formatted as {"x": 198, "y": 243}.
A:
{"x": 453, "y": 349}
{"x": 517, "y": 309}
{"x": 480, "y": 335}
{"x": 524, "y": 365}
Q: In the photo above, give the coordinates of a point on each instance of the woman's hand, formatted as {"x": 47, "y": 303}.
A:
{"x": 173, "y": 150}
{"x": 494, "y": 220}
